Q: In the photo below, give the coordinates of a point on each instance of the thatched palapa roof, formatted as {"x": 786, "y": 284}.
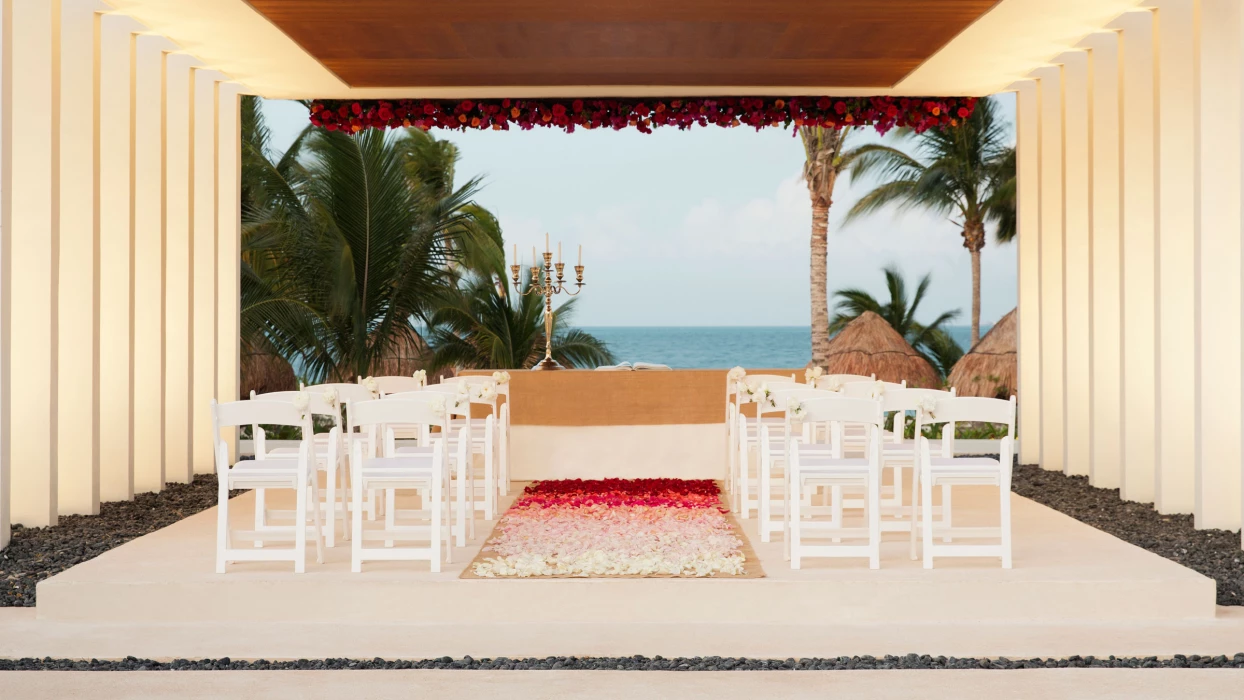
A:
{"x": 870, "y": 345}
{"x": 990, "y": 368}
{"x": 266, "y": 372}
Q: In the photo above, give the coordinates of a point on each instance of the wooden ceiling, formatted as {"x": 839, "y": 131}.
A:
{"x": 706, "y": 43}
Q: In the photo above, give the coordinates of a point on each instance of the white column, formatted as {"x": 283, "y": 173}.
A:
{"x": 1052, "y": 375}
{"x": 116, "y": 234}
{"x": 1140, "y": 378}
{"x": 1177, "y": 199}
{"x": 78, "y": 315}
{"x": 1107, "y": 306}
{"x": 1219, "y": 309}
{"x": 1077, "y": 258}
{"x": 149, "y": 261}
{"x": 178, "y": 313}
{"x": 1028, "y": 143}
{"x": 31, "y": 124}
{"x": 203, "y": 256}
{"x": 229, "y": 241}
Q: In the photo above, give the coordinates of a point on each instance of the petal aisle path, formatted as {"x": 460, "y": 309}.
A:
{"x": 615, "y": 527}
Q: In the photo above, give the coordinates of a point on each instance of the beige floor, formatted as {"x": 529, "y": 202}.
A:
{"x": 1075, "y": 590}
{"x": 1064, "y": 684}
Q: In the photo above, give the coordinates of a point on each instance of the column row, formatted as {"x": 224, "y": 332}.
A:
{"x": 119, "y": 258}
{"x": 1130, "y": 260}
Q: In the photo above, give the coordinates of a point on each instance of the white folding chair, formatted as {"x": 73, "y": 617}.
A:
{"x": 491, "y": 442}
{"x": 423, "y": 469}
{"x": 774, "y": 448}
{"x": 946, "y": 470}
{"x": 329, "y": 454}
{"x": 296, "y": 474}
{"x": 828, "y": 467}
{"x": 348, "y": 394}
{"x": 747, "y": 436}
{"x": 461, "y": 461}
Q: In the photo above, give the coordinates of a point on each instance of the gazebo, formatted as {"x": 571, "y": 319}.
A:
{"x": 990, "y": 368}
{"x": 870, "y": 345}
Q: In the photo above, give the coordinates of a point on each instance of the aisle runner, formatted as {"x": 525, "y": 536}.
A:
{"x": 633, "y": 528}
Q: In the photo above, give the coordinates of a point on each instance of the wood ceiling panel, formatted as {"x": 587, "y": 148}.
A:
{"x": 403, "y": 43}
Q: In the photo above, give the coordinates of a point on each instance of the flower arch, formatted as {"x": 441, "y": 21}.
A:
{"x": 643, "y": 114}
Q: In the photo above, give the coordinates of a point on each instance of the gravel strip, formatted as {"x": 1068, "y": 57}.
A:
{"x": 629, "y": 663}
{"x": 38, "y": 553}
{"x": 1214, "y": 553}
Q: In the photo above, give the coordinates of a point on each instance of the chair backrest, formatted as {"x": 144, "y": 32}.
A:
{"x": 451, "y": 401}
{"x": 395, "y": 384}
{"x": 870, "y": 389}
{"x": 346, "y": 393}
{"x": 780, "y": 396}
{"x": 841, "y": 409}
{"x": 834, "y": 382}
{"x": 416, "y": 409}
{"x": 755, "y": 380}
{"x": 317, "y": 402}
{"x": 973, "y": 409}
{"x": 254, "y": 413}
{"x": 908, "y": 399}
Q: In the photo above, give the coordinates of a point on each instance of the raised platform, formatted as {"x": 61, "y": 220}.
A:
{"x": 1064, "y": 572}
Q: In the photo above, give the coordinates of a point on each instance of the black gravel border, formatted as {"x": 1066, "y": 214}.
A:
{"x": 1214, "y": 553}
{"x": 34, "y": 554}
{"x": 631, "y": 663}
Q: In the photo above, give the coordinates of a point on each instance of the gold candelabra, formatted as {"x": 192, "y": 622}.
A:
{"x": 544, "y": 283}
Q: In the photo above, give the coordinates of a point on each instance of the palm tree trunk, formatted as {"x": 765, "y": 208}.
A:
{"x": 976, "y": 295}
{"x": 819, "y": 274}
{"x": 974, "y": 240}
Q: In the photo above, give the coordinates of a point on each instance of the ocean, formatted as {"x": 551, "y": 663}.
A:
{"x": 706, "y": 347}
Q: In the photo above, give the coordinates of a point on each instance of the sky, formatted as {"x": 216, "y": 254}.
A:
{"x": 706, "y": 227}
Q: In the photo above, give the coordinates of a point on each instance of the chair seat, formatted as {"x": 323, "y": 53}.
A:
{"x": 404, "y": 468}
{"x": 964, "y": 468}
{"x": 814, "y": 464}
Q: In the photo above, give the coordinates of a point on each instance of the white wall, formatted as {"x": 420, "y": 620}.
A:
{"x": 1138, "y": 255}
{"x": 121, "y": 225}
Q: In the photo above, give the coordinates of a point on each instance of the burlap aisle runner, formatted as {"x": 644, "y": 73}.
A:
{"x": 751, "y": 564}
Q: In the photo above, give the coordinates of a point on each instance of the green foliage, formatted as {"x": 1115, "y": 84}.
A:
{"x": 930, "y": 340}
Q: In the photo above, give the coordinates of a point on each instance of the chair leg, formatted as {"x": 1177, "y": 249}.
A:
{"x": 874, "y": 519}
{"x": 743, "y": 508}
{"x": 764, "y": 507}
{"x": 835, "y": 494}
{"x": 261, "y": 516}
{"x": 1006, "y": 525}
{"x": 356, "y": 539}
{"x": 490, "y": 479}
{"x": 796, "y": 502}
{"x": 437, "y": 494}
{"x": 915, "y": 509}
{"x": 390, "y": 513}
{"x": 222, "y": 524}
{"x": 926, "y": 515}
{"x": 461, "y": 503}
{"x": 300, "y": 528}
{"x": 786, "y": 509}
{"x": 344, "y": 492}
{"x": 330, "y": 503}
{"x": 946, "y": 512}
{"x": 319, "y": 524}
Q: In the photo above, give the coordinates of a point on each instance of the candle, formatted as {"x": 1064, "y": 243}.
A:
{"x": 580, "y": 255}
{"x": 546, "y": 242}
{"x": 559, "y": 251}
{"x": 534, "y": 262}
{"x": 516, "y": 254}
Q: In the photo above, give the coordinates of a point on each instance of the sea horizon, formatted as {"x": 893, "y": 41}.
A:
{"x": 708, "y": 347}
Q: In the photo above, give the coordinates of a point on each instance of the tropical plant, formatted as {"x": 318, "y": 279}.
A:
{"x": 930, "y": 340}
{"x": 966, "y": 172}
{"x": 349, "y": 241}
{"x": 480, "y": 326}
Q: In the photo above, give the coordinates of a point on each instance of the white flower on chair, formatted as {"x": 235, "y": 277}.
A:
{"x": 438, "y": 406}
{"x": 927, "y": 404}
{"x": 485, "y": 392}
{"x": 501, "y": 377}
{"x": 830, "y": 384}
{"x": 330, "y": 397}
{"x": 736, "y": 374}
{"x": 372, "y": 386}
{"x": 811, "y": 374}
{"x": 878, "y": 390}
{"x": 421, "y": 376}
{"x": 794, "y": 407}
{"x": 302, "y": 400}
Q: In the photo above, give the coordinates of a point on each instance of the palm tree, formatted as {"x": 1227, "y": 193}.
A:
{"x": 822, "y": 148}
{"x": 966, "y": 172}
{"x": 480, "y": 326}
{"x": 930, "y": 340}
{"x": 349, "y": 241}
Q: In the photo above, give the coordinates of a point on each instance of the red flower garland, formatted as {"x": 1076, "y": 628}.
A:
{"x": 882, "y": 113}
